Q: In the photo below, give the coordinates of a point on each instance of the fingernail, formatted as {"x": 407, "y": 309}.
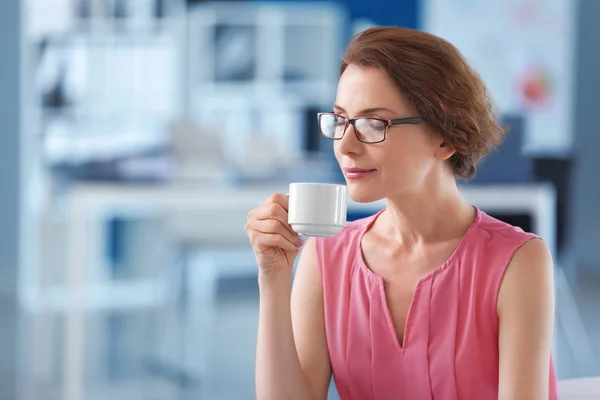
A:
{"x": 299, "y": 241}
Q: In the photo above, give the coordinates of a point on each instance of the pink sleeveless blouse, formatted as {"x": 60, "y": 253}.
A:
{"x": 450, "y": 347}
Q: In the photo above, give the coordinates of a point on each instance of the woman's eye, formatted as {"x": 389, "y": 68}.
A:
{"x": 340, "y": 121}
{"x": 375, "y": 124}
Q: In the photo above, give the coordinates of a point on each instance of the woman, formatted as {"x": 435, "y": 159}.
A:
{"x": 429, "y": 298}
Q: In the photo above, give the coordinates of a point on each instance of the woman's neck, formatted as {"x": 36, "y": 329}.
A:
{"x": 432, "y": 213}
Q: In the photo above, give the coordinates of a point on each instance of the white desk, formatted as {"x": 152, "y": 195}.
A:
{"x": 95, "y": 203}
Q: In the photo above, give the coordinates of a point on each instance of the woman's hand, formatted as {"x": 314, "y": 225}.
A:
{"x": 275, "y": 244}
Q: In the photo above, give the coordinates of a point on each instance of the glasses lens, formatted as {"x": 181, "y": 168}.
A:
{"x": 370, "y": 130}
{"x": 332, "y": 126}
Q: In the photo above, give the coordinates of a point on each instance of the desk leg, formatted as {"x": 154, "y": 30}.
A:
{"x": 74, "y": 344}
{"x": 200, "y": 317}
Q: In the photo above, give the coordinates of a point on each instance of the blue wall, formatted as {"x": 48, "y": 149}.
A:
{"x": 586, "y": 208}
{"x": 406, "y": 13}
{"x": 9, "y": 196}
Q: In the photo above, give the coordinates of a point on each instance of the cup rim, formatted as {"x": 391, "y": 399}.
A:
{"x": 316, "y": 183}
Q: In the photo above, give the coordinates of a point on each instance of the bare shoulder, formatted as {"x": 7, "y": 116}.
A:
{"x": 526, "y": 316}
{"x": 529, "y": 275}
{"x": 534, "y": 250}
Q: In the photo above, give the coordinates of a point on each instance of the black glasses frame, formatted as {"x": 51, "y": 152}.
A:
{"x": 352, "y": 121}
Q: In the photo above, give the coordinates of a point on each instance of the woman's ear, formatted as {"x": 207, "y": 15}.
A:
{"x": 444, "y": 151}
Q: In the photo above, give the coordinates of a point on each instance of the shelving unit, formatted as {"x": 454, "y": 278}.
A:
{"x": 250, "y": 48}
{"x": 255, "y": 68}
{"x": 107, "y": 78}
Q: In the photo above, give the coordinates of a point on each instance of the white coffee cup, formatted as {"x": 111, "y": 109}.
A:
{"x": 317, "y": 209}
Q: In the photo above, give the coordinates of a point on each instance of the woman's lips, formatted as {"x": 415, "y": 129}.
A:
{"x": 357, "y": 173}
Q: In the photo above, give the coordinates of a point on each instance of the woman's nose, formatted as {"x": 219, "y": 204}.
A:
{"x": 349, "y": 143}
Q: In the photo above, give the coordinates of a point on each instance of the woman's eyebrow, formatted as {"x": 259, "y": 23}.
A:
{"x": 367, "y": 110}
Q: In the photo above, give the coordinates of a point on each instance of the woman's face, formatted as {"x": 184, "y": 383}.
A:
{"x": 399, "y": 164}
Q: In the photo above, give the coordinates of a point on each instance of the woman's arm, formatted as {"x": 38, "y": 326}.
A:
{"x": 292, "y": 359}
{"x": 526, "y": 314}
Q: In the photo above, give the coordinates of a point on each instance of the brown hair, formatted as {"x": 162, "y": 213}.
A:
{"x": 434, "y": 76}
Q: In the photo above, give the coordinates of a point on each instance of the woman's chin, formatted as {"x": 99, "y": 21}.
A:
{"x": 362, "y": 194}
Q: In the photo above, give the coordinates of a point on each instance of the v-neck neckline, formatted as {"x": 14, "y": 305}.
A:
{"x": 378, "y": 279}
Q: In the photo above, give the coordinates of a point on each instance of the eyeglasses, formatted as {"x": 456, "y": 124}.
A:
{"x": 367, "y": 129}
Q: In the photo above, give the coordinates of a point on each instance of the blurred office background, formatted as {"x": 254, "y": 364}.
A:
{"x": 135, "y": 135}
